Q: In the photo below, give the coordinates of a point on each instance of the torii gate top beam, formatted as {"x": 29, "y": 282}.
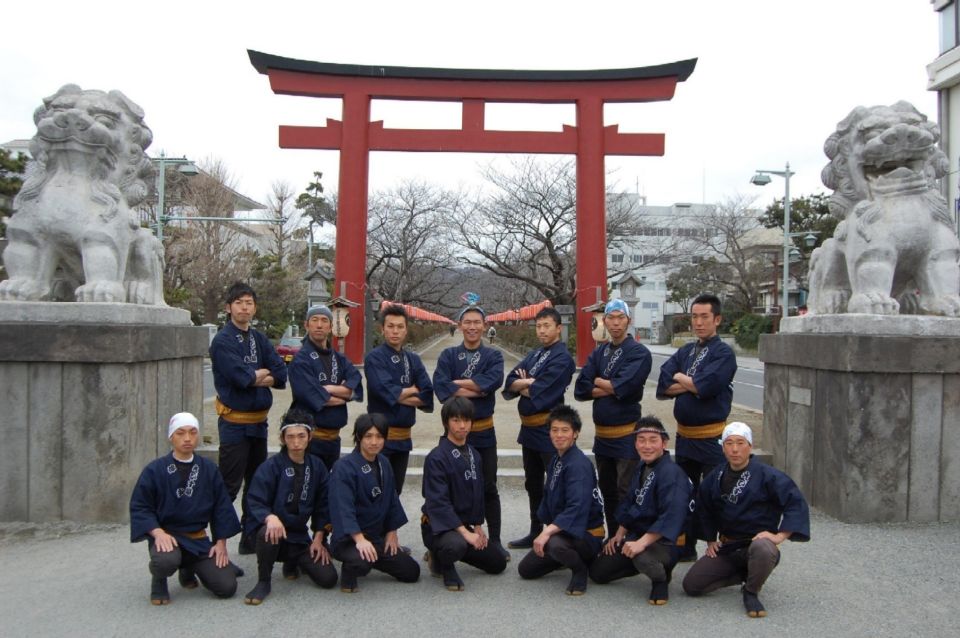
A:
{"x": 289, "y": 76}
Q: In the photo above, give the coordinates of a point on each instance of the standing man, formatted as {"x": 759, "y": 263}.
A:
{"x": 699, "y": 378}
{"x": 540, "y": 380}
{"x": 397, "y": 386}
{"x": 366, "y": 512}
{"x": 651, "y": 519}
{"x": 613, "y": 378}
{"x": 475, "y": 371}
{"x": 176, "y": 497}
{"x": 322, "y": 381}
{"x": 288, "y": 491}
{"x": 571, "y": 509}
{"x": 452, "y": 521}
{"x": 746, "y": 510}
{"x": 245, "y": 367}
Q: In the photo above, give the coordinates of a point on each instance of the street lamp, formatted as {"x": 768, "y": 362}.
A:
{"x": 762, "y": 178}
{"x": 186, "y": 167}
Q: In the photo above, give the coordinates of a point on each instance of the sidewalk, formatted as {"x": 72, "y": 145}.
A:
{"x": 850, "y": 580}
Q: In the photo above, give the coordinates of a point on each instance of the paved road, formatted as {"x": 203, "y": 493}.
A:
{"x": 850, "y": 580}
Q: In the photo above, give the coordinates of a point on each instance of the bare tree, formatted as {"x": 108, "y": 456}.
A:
{"x": 279, "y": 202}
{"x": 205, "y": 257}
{"x": 732, "y": 252}
{"x": 409, "y": 256}
{"x": 525, "y": 229}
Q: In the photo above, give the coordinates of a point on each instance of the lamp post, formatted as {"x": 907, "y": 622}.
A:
{"x": 186, "y": 167}
{"x": 762, "y": 178}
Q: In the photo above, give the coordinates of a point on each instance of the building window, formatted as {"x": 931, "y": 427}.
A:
{"x": 636, "y": 259}
{"x": 617, "y": 259}
{"x": 948, "y": 26}
{"x": 650, "y": 305}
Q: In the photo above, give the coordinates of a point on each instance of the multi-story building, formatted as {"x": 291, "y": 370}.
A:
{"x": 944, "y": 78}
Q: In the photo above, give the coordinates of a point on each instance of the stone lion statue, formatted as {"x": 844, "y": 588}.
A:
{"x": 74, "y": 234}
{"x": 895, "y": 250}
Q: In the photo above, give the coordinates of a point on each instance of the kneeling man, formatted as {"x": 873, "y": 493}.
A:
{"x": 651, "y": 517}
{"x": 571, "y": 510}
{"x": 453, "y": 507}
{"x": 288, "y": 490}
{"x": 176, "y": 497}
{"x": 753, "y": 508}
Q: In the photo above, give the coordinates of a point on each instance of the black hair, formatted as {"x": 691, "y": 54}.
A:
{"x": 653, "y": 423}
{"x": 395, "y": 310}
{"x": 455, "y": 407}
{"x": 567, "y": 414}
{"x": 296, "y": 415}
{"x": 239, "y": 289}
{"x": 549, "y": 313}
{"x": 365, "y": 422}
{"x": 711, "y": 299}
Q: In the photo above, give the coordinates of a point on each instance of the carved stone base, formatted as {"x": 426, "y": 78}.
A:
{"x": 85, "y": 407}
{"x": 866, "y": 424}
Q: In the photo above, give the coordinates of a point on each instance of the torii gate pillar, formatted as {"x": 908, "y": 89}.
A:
{"x": 355, "y": 136}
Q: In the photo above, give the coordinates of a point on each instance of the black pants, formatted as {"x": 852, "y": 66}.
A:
{"x": 535, "y": 466}
{"x": 562, "y": 550}
{"x": 400, "y": 566}
{"x": 655, "y": 562}
{"x": 328, "y": 459}
{"x": 491, "y": 496}
{"x": 221, "y": 581}
{"x": 238, "y": 462}
{"x": 751, "y": 565}
{"x": 398, "y": 463}
{"x": 696, "y": 470}
{"x": 295, "y": 553}
{"x": 450, "y": 547}
{"x": 613, "y": 479}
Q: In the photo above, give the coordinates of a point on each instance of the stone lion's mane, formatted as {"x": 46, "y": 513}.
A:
{"x": 128, "y": 178}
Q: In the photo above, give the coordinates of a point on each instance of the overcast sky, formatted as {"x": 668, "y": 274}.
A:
{"x": 773, "y": 77}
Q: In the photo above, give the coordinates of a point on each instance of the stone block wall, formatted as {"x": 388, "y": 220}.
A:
{"x": 83, "y": 408}
{"x": 867, "y": 425}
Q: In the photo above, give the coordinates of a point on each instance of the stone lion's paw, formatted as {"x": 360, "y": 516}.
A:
{"x": 873, "y": 303}
{"x": 102, "y": 292}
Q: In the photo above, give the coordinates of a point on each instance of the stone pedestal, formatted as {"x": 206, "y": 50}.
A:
{"x": 86, "y": 391}
{"x": 867, "y": 421}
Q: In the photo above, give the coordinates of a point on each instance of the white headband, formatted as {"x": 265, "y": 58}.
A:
{"x": 737, "y": 428}
{"x": 182, "y": 420}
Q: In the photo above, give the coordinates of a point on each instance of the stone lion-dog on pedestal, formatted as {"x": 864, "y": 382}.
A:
{"x": 74, "y": 233}
{"x": 895, "y": 250}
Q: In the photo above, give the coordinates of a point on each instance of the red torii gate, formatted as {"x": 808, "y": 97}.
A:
{"x": 355, "y": 136}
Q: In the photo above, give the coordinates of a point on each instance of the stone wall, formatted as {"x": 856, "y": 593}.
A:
{"x": 867, "y": 424}
{"x": 84, "y": 408}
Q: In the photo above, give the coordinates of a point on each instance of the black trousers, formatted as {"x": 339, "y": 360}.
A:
{"x": 534, "y": 475}
{"x": 328, "y": 459}
{"x": 562, "y": 550}
{"x": 613, "y": 479}
{"x": 450, "y": 547}
{"x": 751, "y": 565}
{"x": 295, "y": 553}
{"x": 697, "y": 471}
{"x": 238, "y": 463}
{"x": 655, "y": 562}
{"x": 398, "y": 463}
{"x": 491, "y": 496}
{"x": 400, "y": 566}
{"x": 221, "y": 581}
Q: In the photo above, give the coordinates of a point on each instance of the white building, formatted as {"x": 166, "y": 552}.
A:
{"x": 944, "y": 78}
{"x": 638, "y": 267}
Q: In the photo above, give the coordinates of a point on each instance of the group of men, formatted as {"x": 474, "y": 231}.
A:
{"x": 637, "y": 493}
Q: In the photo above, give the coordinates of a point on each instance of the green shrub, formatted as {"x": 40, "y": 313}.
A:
{"x": 748, "y": 328}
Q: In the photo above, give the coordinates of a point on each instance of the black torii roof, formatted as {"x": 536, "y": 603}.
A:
{"x": 264, "y": 61}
